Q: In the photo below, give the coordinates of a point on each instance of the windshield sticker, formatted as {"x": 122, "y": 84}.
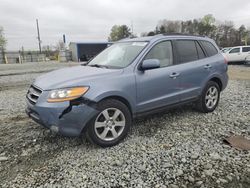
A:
{"x": 139, "y": 43}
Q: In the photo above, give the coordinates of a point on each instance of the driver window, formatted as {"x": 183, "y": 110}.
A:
{"x": 235, "y": 50}
{"x": 163, "y": 52}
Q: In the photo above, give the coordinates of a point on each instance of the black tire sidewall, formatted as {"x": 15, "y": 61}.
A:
{"x": 109, "y": 103}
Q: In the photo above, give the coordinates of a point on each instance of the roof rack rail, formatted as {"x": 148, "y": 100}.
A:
{"x": 181, "y": 34}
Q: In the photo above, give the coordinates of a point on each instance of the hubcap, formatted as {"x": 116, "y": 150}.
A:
{"x": 109, "y": 124}
{"x": 211, "y": 97}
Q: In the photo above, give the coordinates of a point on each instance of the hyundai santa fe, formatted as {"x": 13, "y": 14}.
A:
{"x": 131, "y": 78}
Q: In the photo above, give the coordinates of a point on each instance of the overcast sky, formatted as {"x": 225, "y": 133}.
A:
{"x": 92, "y": 20}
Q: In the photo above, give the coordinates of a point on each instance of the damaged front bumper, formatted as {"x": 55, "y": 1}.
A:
{"x": 67, "y": 118}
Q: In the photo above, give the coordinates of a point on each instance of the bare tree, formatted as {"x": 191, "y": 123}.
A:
{"x": 3, "y": 42}
{"x": 168, "y": 26}
{"x": 60, "y": 45}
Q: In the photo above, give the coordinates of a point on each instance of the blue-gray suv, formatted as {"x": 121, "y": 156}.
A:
{"x": 130, "y": 78}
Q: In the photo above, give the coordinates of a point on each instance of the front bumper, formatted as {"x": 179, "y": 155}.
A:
{"x": 65, "y": 118}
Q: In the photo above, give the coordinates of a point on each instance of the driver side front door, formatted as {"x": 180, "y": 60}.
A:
{"x": 234, "y": 55}
{"x": 158, "y": 87}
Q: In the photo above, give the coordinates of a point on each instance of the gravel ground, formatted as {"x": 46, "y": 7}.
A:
{"x": 177, "y": 149}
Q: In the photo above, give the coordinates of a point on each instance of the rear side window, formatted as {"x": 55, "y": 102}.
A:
{"x": 209, "y": 48}
{"x": 199, "y": 51}
{"x": 186, "y": 50}
{"x": 235, "y": 50}
{"x": 246, "y": 49}
{"x": 163, "y": 52}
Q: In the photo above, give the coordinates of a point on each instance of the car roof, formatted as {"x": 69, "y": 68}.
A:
{"x": 164, "y": 36}
{"x": 239, "y": 46}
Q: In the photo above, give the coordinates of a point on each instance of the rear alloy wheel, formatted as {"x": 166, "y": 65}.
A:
{"x": 110, "y": 125}
{"x": 209, "y": 98}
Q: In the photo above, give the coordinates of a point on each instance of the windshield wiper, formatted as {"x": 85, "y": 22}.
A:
{"x": 84, "y": 64}
{"x": 98, "y": 66}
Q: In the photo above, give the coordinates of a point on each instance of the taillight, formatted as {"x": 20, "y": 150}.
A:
{"x": 225, "y": 60}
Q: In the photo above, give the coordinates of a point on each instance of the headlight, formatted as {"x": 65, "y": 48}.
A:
{"x": 66, "y": 94}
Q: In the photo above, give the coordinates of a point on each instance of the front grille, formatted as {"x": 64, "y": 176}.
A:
{"x": 33, "y": 94}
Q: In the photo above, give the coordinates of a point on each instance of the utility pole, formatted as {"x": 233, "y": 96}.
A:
{"x": 64, "y": 42}
{"x": 38, "y": 36}
{"x": 23, "y": 54}
{"x": 132, "y": 27}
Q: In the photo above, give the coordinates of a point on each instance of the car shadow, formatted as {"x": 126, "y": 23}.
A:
{"x": 151, "y": 124}
{"x": 240, "y": 63}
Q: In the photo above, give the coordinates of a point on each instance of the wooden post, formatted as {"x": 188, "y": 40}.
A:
{"x": 6, "y": 59}
{"x": 20, "y": 60}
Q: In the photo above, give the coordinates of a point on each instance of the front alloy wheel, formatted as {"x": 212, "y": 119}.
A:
{"x": 110, "y": 125}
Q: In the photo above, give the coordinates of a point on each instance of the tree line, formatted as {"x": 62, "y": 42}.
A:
{"x": 224, "y": 33}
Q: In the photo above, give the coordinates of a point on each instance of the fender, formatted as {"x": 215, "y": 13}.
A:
{"x": 215, "y": 75}
{"x": 120, "y": 94}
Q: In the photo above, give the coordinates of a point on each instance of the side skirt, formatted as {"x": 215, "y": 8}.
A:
{"x": 164, "y": 108}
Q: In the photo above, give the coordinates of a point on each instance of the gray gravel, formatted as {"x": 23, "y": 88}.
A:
{"x": 180, "y": 148}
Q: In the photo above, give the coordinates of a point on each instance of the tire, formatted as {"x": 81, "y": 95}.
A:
{"x": 207, "y": 95}
{"x": 110, "y": 125}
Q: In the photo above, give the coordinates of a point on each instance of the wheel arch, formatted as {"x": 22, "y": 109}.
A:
{"x": 218, "y": 81}
{"x": 121, "y": 99}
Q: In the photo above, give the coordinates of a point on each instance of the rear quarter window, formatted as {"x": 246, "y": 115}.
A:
{"x": 209, "y": 48}
{"x": 246, "y": 49}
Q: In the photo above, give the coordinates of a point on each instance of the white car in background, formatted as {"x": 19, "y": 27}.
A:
{"x": 238, "y": 54}
{"x": 248, "y": 59}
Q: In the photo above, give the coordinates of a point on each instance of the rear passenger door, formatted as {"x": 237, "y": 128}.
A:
{"x": 245, "y": 52}
{"x": 194, "y": 69}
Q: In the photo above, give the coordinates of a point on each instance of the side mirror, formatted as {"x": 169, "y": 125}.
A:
{"x": 150, "y": 64}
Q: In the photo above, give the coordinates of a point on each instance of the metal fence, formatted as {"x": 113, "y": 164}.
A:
{"x": 32, "y": 57}
{"x": 12, "y": 57}
{"x": 65, "y": 56}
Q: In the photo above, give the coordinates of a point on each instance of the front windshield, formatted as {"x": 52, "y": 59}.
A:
{"x": 225, "y": 50}
{"x": 118, "y": 55}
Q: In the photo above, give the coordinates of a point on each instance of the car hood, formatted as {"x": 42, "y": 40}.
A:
{"x": 73, "y": 76}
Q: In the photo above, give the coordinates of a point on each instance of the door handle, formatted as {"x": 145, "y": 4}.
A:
{"x": 174, "y": 75}
{"x": 207, "y": 66}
